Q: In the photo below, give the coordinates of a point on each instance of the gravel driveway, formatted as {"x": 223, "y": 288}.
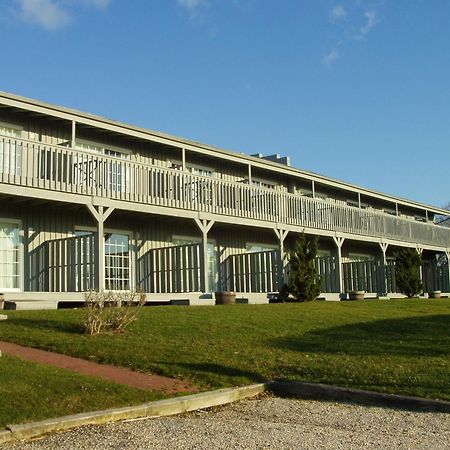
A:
{"x": 266, "y": 422}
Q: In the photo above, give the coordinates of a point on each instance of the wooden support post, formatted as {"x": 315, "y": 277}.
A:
{"x": 383, "y": 287}
{"x": 204, "y": 227}
{"x": 100, "y": 215}
{"x": 183, "y": 159}
{"x": 249, "y": 174}
{"x": 340, "y": 275}
{"x": 359, "y": 200}
{"x": 73, "y": 140}
{"x": 420, "y": 251}
{"x": 447, "y": 253}
{"x": 281, "y": 236}
{"x": 313, "y": 189}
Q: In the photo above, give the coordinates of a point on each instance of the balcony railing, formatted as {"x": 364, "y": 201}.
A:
{"x": 32, "y": 164}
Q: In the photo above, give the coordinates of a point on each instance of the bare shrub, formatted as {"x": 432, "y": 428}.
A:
{"x": 111, "y": 311}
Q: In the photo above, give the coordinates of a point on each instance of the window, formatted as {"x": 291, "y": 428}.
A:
{"x": 113, "y": 174}
{"x": 256, "y": 247}
{"x": 117, "y": 262}
{"x": 263, "y": 184}
{"x": 10, "y": 150}
{"x": 212, "y": 257}
{"x": 117, "y": 259}
{"x": 358, "y": 257}
{"x": 199, "y": 190}
{"x": 9, "y": 255}
{"x": 84, "y": 260}
{"x": 205, "y": 172}
{"x": 323, "y": 253}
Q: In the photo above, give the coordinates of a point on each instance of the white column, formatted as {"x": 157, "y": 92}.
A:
{"x": 447, "y": 253}
{"x": 340, "y": 275}
{"x": 420, "y": 251}
{"x": 74, "y": 134}
{"x": 204, "y": 227}
{"x": 281, "y": 235}
{"x": 384, "y": 247}
{"x": 100, "y": 215}
{"x": 183, "y": 159}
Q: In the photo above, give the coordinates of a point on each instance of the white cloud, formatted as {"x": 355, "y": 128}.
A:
{"x": 53, "y": 14}
{"x": 46, "y": 13}
{"x": 100, "y": 4}
{"x": 192, "y": 5}
{"x": 330, "y": 58}
{"x": 338, "y": 13}
{"x": 371, "y": 22}
{"x": 194, "y": 8}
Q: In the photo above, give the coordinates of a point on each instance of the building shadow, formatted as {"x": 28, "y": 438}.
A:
{"x": 414, "y": 336}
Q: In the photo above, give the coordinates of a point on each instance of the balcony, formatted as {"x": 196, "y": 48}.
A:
{"x": 65, "y": 170}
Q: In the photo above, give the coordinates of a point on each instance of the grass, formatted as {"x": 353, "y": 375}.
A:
{"x": 398, "y": 346}
{"x": 32, "y": 392}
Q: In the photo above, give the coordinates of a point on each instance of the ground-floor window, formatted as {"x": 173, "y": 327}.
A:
{"x": 117, "y": 262}
{"x": 255, "y": 247}
{"x": 213, "y": 272}
{"x": 9, "y": 255}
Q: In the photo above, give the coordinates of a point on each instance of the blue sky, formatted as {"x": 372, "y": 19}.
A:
{"x": 358, "y": 90}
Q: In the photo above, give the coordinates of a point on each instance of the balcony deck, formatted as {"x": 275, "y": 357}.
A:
{"x": 68, "y": 171}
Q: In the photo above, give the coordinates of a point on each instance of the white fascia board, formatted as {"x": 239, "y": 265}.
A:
{"x": 173, "y": 141}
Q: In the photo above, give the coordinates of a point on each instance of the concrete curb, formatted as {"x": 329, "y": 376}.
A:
{"x": 193, "y": 402}
{"x": 318, "y": 391}
{"x": 158, "y": 408}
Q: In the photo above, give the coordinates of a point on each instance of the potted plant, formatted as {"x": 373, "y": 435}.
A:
{"x": 356, "y": 295}
{"x": 225, "y": 297}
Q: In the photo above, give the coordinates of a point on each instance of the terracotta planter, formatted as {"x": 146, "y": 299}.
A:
{"x": 434, "y": 294}
{"x": 225, "y": 298}
{"x": 356, "y": 295}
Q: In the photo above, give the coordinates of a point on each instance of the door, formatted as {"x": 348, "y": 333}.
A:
{"x": 9, "y": 255}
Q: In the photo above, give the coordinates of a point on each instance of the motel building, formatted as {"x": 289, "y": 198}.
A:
{"x": 90, "y": 203}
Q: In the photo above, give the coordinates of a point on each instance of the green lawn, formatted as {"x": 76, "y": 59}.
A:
{"x": 31, "y": 391}
{"x": 399, "y": 346}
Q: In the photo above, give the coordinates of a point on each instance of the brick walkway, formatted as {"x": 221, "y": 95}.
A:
{"x": 117, "y": 374}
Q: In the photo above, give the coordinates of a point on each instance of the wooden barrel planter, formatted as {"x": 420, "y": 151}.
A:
{"x": 434, "y": 294}
{"x": 356, "y": 295}
{"x": 225, "y": 298}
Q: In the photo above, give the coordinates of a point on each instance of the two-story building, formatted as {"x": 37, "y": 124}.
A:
{"x": 90, "y": 203}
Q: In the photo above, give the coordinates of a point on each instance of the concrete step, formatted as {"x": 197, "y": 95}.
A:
{"x": 26, "y": 305}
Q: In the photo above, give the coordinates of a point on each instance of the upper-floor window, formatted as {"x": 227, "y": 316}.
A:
{"x": 194, "y": 169}
{"x": 263, "y": 183}
{"x": 199, "y": 170}
{"x": 103, "y": 149}
{"x": 112, "y": 175}
{"x": 10, "y": 130}
{"x": 10, "y": 150}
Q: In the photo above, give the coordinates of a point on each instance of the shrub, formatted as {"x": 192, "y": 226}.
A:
{"x": 407, "y": 272}
{"x": 304, "y": 281}
{"x": 111, "y": 311}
